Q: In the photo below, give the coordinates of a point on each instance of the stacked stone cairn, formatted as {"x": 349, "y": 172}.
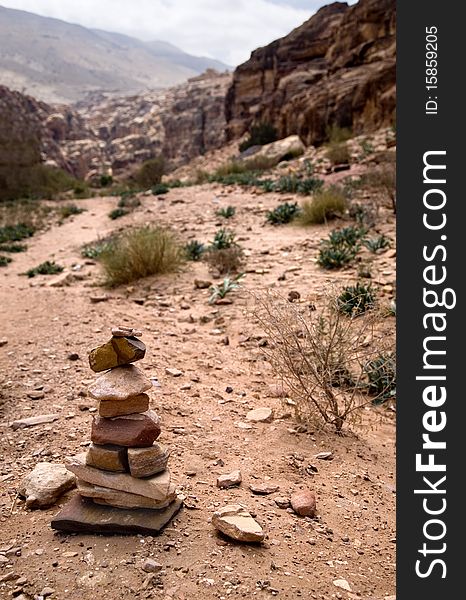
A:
{"x": 124, "y": 485}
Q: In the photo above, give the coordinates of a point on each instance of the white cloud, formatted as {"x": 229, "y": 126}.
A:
{"x": 225, "y": 29}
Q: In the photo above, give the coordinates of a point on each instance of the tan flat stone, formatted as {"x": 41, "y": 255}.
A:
{"x": 136, "y": 431}
{"x": 235, "y": 522}
{"x": 120, "y": 383}
{"x": 118, "y": 351}
{"x": 110, "y": 497}
{"x": 108, "y": 457}
{"x": 157, "y": 487}
{"x": 135, "y": 404}
{"x": 144, "y": 462}
{"x": 123, "y": 331}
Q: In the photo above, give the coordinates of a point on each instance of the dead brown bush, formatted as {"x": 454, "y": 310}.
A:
{"x": 322, "y": 356}
{"x": 225, "y": 260}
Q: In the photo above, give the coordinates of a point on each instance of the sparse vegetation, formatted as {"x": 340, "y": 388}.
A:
{"x": 325, "y": 205}
{"x": 194, "y": 250}
{"x": 382, "y": 181}
{"x": 4, "y": 260}
{"x": 16, "y": 233}
{"x": 377, "y": 243}
{"x": 259, "y": 135}
{"x": 219, "y": 292}
{"x": 283, "y": 213}
{"x": 69, "y": 210}
{"x": 141, "y": 252}
{"x": 381, "y": 375}
{"x": 129, "y": 201}
{"x": 337, "y": 134}
{"x": 226, "y": 213}
{"x": 223, "y": 239}
{"x": 106, "y": 180}
{"x": 340, "y": 248}
{"x": 224, "y": 254}
{"x": 355, "y": 300}
{"x": 151, "y": 172}
{"x": 338, "y": 153}
{"x": 321, "y": 357}
{"x": 46, "y": 268}
{"x": 13, "y": 248}
{"x": 160, "y": 189}
{"x": 95, "y": 249}
{"x": 117, "y": 213}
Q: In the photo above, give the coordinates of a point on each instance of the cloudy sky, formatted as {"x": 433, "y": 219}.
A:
{"x": 224, "y": 29}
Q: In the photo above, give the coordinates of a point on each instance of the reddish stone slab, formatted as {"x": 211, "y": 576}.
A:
{"x": 81, "y": 515}
{"x": 133, "y": 431}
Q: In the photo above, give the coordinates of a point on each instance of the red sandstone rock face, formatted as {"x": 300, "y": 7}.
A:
{"x": 338, "y": 67}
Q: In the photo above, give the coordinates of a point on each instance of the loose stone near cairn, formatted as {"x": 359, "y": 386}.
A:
{"x": 124, "y": 485}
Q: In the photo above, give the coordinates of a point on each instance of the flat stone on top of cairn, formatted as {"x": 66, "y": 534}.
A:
{"x": 124, "y": 485}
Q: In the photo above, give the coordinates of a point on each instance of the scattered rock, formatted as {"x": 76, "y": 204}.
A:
{"x": 31, "y": 421}
{"x": 303, "y": 503}
{"x": 102, "y": 298}
{"x": 47, "y": 591}
{"x": 228, "y": 480}
{"x": 36, "y": 394}
{"x": 138, "y": 430}
{"x": 260, "y": 415}
{"x": 263, "y": 489}
{"x": 324, "y": 456}
{"x": 201, "y": 284}
{"x": 3, "y": 342}
{"x": 118, "y": 351}
{"x": 73, "y": 356}
{"x": 293, "y": 296}
{"x": 236, "y": 522}
{"x": 151, "y": 566}
{"x": 120, "y": 383}
{"x": 282, "y": 502}
{"x": 343, "y": 584}
{"x": 45, "y": 484}
{"x": 173, "y": 372}
{"x": 61, "y": 280}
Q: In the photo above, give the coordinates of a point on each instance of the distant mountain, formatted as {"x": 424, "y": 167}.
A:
{"x": 59, "y": 62}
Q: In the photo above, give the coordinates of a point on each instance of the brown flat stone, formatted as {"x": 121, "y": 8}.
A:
{"x": 263, "y": 489}
{"x": 156, "y": 487}
{"x": 144, "y": 462}
{"x": 120, "y": 383}
{"x": 119, "y": 499}
{"x": 123, "y": 331}
{"x": 118, "y": 351}
{"x": 140, "y": 430}
{"x": 81, "y": 515}
{"x": 135, "y": 404}
{"x": 108, "y": 458}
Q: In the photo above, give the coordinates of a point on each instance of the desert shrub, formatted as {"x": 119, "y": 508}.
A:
{"x": 382, "y": 181}
{"x": 381, "y": 377}
{"x": 4, "y": 260}
{"x": 224, "y": 254}
{"x": 226, "y": 213}
{"x": 46, "y": 268}
{"x": 69, "y": 210}
{"x": 37, "y": 181}
{"x": 337, "y": 134}
{"x": 13, "y": 248}
{"x": 366, "y": 147}
{"x": 81, "y": 190}
{"x": 150, "y": 173}
{"x": 377, "y": 243}
{"x": 355, "y": 300}
{"x": 129, "y": 201}
{"x": 194, "y": 250}
{"x": 105, "y": 180}
{"x": 225, "y": 260}
{"x": 338, "y": 153}
{"x": 321, "y": 356}
{"x": 219, "y": 292}
{"x": 16, "y": 233}
{"x": 117, "y": 213}
{"x": 259, "y": 135}
{"x": 325, "y": 205}
{"x": 160, "y": 189}
{"x": 283, "y": 213}
{"x": 93, "y": 250}
{"x": 141, "y": 252}
{"x": 292, "y": 184}
{"x": 223, "y": 239}
{"x": 340, "y": 248}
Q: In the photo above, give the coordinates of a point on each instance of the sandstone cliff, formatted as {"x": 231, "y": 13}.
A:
{"x": 337, "y": 68}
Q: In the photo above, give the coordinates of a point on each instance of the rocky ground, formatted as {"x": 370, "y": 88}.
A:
{"x": 347, "y": 551}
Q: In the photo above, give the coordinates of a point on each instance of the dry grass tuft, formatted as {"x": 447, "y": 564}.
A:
{"x": 324, "y": 206}
{"x": 139, "y": 253}
{"x": 225, "y": 260}
{"x": 322, "y": 357}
